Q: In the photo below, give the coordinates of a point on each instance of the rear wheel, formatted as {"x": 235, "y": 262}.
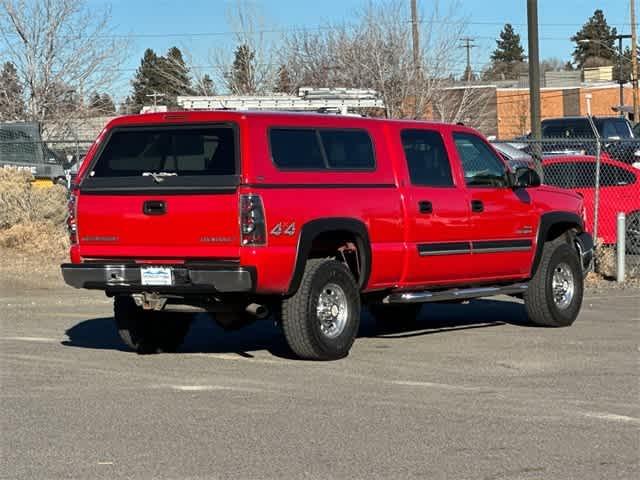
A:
{"x": 554, "y": 296}
{"x": 633, "y": 234}
{"x": 321, "y": 320}
{"x": 149, "y": 331}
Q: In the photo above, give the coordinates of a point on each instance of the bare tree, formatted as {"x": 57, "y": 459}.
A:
{"x": 376, "y": 52}
{"x": 63, "y": 51}
{"x": 465, "y": 103}
{"x": 250, "y": 68}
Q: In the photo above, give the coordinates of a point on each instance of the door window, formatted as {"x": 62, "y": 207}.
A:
{"x": 426, "y": 158}
{"x": 481, "y": 166}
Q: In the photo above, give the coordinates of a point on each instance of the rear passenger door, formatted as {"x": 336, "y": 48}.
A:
{"x": 504, "y": 220}
{"x": 437, "y": 212}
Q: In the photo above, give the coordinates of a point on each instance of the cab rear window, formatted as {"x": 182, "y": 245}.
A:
{"x": 167, "y": 157}
{"x": 168, "y": 151}
{"x": 321, "y": 149}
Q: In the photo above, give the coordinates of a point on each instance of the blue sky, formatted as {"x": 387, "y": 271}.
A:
{"x": 189, "y": 24}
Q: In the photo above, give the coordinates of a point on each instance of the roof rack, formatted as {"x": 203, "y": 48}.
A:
{"x": 326, "y": 100}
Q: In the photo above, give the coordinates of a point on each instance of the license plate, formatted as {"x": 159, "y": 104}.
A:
{"x": 156, "y": 276}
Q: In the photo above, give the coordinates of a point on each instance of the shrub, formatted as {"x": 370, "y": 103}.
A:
{"x": 32, "y": 219}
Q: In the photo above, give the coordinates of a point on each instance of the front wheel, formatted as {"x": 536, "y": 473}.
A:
{"x": 554, "y": 296}
{"x": 321, "y": 320}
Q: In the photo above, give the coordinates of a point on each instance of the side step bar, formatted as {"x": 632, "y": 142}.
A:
{"x": 454, "y": 294}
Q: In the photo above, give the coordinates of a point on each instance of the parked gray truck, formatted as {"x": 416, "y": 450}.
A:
{"x": 21, "y": 147}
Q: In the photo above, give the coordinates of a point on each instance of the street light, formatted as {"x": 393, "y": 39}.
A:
{"x": 620, "y": 58}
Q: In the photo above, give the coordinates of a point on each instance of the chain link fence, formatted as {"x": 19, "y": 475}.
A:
{"x": 55, "y": 160}
{"x": 606, "y": 172}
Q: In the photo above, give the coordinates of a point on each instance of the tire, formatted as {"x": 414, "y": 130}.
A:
{"x": 327, "y": 283}
{"x": 149, "y": 331}
{"x": 632, "y": 234}
{"x": 390, "y": 316}
{"x": 559, "y": 263}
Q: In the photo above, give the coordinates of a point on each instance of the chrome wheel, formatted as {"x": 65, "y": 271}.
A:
{"x": 332, "y": 310}
{"x": 563, "y": 286}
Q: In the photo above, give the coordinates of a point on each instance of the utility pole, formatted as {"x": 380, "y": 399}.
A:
{"x": 155, "y": 96}
{"x": 634, "y": 62}
{"x": 415, "y": 36}
{"x": 468, "y": 44}
{"x": 534, "y": 72}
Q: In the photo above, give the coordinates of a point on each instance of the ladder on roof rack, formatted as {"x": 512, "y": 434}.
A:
{"x": 309, "y": 99}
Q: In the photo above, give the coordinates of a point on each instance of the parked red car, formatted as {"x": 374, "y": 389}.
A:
{"x": 619, "y": 192}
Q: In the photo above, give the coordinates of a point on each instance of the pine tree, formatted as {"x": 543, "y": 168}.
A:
{"x": 175, "y": 75}
{"x": 167, "y": 75}
{"x": 147, "y": 79}
{"x": 205, "y": 86}
{"x": 508, "y": 57}
{"x": 284, "y": 83}
{"x": 127, "y": 107}
{"x": 108, "y": 107}
{"x": 240, "y": 80}
{"x": 101, "y": 104}
{"x": 11, "y": 94}
{"x": 595, "y": 42}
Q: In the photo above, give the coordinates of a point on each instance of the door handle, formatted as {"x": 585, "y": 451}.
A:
{"x": 477, "y": 206}
{"x": 425, "y": 206}
{"x": 154, "y": 207}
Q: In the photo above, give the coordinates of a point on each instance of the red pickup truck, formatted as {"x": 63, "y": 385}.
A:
{"x": 308, "y": 217}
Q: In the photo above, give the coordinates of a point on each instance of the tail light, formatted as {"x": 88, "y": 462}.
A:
{"x": 253, "y": 229}
{"x": 72, "y": 211}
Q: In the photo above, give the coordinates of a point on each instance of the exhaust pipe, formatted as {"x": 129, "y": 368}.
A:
{"x": 257, "y": 310}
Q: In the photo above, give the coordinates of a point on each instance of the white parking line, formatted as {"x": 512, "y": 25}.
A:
{"x": 611, "y": 417}
{"x": 210, "y": 388}
{"x": 445, "y": 386}
{"x": 31, "y": 339}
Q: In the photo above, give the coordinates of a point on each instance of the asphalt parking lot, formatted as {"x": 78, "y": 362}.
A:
{"x": 470, "y": 392}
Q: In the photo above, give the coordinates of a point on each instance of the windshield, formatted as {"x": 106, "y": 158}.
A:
{"x": 613, "y": 127}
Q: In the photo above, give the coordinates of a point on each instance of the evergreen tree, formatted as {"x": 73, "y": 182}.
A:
{"x": 11, "y": 94}
{"x": 205, "y": 86}
{"x": 101, "y": 104}
{"x": 127, "y": 107}
{"x": 147, "y": 79}
{"x": 108, "y": 107}
{"x": 284, "y": 83}
{"x": 508, "y": 58}
{"x": 167, "y": 75}
{"x": 175, "y": 75}
{"x": 240, "y": 80}
{"x": 595, "y": 42}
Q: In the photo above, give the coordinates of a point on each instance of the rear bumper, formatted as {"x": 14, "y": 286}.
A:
{"x": 584, "y": 243}
{"x": 126, "y": 278}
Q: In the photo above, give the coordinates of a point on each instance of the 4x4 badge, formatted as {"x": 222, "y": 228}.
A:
{"x": 280, "y": 229}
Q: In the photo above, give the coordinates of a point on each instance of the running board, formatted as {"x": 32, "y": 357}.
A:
{"x": 454, "y": 294}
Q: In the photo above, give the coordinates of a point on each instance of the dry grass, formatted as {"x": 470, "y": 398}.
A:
{"x": 32, "y": 219}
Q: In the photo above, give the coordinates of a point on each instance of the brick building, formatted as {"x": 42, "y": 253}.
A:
{"x": 507, "y": 113}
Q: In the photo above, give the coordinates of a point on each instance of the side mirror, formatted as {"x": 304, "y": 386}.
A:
{"x": 525, "y": 177}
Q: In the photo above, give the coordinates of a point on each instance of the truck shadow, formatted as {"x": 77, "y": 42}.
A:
{"x": 207, "y": 337}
